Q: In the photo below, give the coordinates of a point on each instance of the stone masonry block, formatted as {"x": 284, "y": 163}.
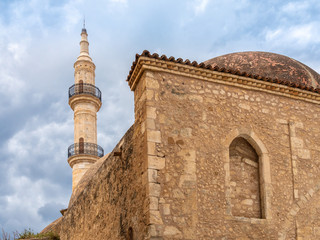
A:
{"x": 171, "y": 231}
{"x": 154, "y": 203}
{"x": 154, "y": 189}
{"x": 304, "y": 154}
{"x": 152, "y": 175}
{"x": 148, "y": 75}
{"x": 152, "y": 148}
{"x": 151, "y": 112}
{"x": 166, "y": 209}
{"x": 296, "y": 142}
{"x": 154, "y": 136}
{"x": 156, "y": 162}
{"x": 150, "y": 124}
{"x": 155, "y": 217}
{"x": 152, "y": 83}
{"x": 155, "y": 231}
{"x": 149, "y": 94}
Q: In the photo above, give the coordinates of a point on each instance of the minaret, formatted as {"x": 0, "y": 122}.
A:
{"x": 85, "y": 101}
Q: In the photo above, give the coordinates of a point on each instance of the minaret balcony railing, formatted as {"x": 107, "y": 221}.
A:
{"x": 85, "y": 148}
{"x": 84, "y": 88}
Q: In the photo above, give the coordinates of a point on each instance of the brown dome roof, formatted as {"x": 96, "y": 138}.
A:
{"x": 269, "y": 65}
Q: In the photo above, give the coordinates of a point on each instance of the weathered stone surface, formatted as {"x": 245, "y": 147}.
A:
{"x": 181, "y": 177}
{"x": 173, "y": 232}
{"x": 155, "y": 217}
{"x": 154, "y": 189}
{"x": 197, "y": 157}
{"x": 156, "y": 162}
{"x": 111, "y": 200}
{"x": 154, "y": 136}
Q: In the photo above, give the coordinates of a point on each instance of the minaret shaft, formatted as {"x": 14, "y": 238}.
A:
{"x": 84, "y": 74}
{"x": 85, "y": 101}
{"x": 85, "y": 112}
{"x": 85, "y": 123}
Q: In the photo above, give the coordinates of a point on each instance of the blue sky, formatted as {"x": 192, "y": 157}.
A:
{"x": 39, "y": 42}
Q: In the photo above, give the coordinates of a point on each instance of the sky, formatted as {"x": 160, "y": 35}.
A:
{"x": 39, "y": 43}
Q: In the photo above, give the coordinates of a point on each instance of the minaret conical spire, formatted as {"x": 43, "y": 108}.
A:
{"x": 84, "y": 45}
{"x": 84, "y": 60}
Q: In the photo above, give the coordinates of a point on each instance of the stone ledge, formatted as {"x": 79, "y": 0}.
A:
{"x": 146, "y": 63}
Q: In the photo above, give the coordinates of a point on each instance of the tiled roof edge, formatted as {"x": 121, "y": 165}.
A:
{"x": 146, "y": 53}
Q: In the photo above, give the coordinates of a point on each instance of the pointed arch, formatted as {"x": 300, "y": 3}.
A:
{"x": 244, "y": 179}
{"x": 254, "y": 144}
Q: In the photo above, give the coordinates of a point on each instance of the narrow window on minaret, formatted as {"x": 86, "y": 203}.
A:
{"x": 81, "y": 145}
{"x": 80, "y": 86}
{"x": 244, "y": 179}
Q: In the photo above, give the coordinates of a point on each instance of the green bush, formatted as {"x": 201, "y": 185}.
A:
{"x": 26, "y": 234}
{"x": 30, "y": 234}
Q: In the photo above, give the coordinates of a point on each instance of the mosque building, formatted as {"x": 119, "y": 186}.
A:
{"x": 225, "y": 149}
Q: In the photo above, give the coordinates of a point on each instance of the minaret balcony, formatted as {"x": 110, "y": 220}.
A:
{"x": 85, "y": 148}
{"x": 84, "y": 88}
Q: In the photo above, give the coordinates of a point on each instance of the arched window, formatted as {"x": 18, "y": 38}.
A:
{"x": 245, "y": 193}
{"x": 81, "y": 145}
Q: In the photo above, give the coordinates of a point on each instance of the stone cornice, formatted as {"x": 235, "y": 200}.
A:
{"x": 85, "y": 98}
{"x": 144, "y": 63}
{"x": 80, "y": 158}
{"x": 85, "y": 112}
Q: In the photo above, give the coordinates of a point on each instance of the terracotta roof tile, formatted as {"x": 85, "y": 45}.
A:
{"x": 237, "y": 72}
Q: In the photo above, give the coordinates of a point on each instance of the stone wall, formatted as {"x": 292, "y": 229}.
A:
{"x": 190, "y": 126}
{"x": 205, "y": 159}
{"x": 112, "y": 201}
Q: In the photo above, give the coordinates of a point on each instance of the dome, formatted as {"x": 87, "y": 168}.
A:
{"x": 269, "y": 65}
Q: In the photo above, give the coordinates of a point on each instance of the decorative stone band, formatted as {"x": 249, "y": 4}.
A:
{"x": 84, "y": 98}
{"x": 84, "y": 62}
{"x": 84, "y": 88}
{"x": 148, "y": 63}
{"x": 82, "y": 158}
{"x": 85, "y": 148}
{"x": 84, "y": 65}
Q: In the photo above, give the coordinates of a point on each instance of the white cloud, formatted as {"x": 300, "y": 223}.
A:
{"x": 295, "y": 7}
{"x": 23, "y": 206}
{"x": 17, "y": 50}
{"x": 299, "y": 35}
{"x": 200, "y": 6}
{"x": 37, "y": 159}
{"x": 39, "y": 140}
{"x": 72, "y": 15}
{"x": 12, "y": 90}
